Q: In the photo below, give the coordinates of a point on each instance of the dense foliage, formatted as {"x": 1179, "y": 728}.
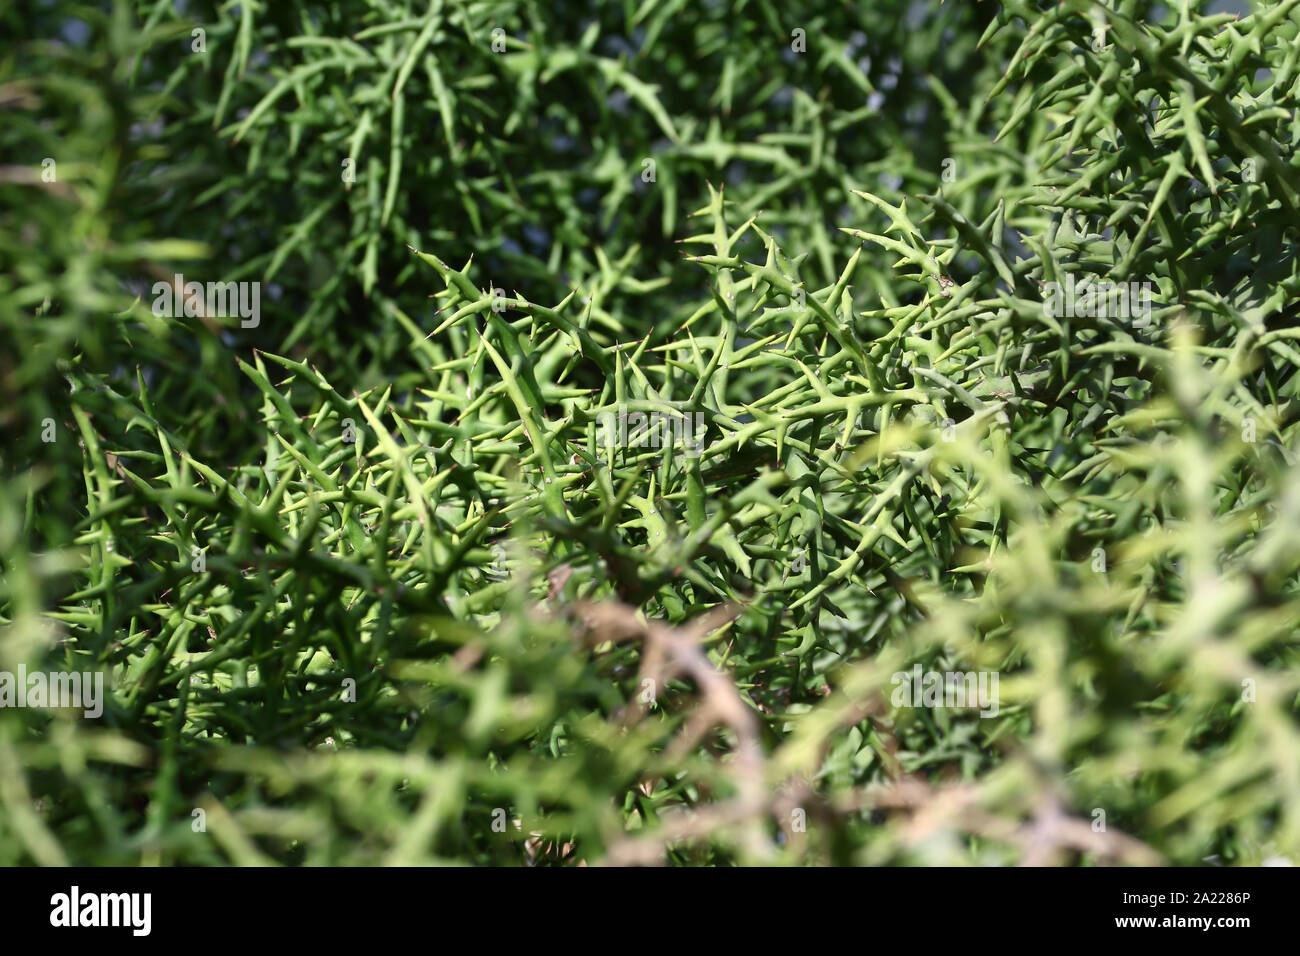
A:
{"x": 367, "y": 578}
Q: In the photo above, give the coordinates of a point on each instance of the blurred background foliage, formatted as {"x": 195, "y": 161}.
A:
{"x": 434, "y": 643}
